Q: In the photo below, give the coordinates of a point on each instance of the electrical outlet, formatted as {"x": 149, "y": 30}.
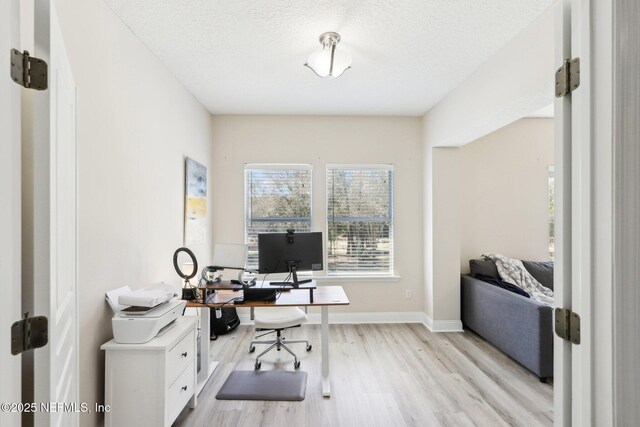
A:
{"x": 408, "y": 294}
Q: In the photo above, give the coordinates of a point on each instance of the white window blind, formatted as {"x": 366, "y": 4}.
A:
{"x": 360, "y": 219}
{"x": 277, "y": 198}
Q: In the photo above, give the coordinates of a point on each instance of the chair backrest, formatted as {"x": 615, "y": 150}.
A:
{"x": 284, "y": 312}
{"x": 279, "y": 317}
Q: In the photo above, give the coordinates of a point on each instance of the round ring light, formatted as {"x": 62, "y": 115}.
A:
{"x": 189, "y": 252}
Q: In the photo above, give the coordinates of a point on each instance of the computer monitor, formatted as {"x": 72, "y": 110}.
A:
{"x": 289, "y": 252}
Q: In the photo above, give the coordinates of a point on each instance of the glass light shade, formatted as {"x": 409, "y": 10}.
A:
{"x": 320, "y": 62}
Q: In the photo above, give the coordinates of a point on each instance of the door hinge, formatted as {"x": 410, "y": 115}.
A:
{"x": 28, "y": 71}
{"x": 568, "y": 325}
{"x": 29, "y": 333}
{"x": 568, "y": 77}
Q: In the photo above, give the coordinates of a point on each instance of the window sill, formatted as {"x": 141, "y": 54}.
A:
{"x": 354, "y": 279}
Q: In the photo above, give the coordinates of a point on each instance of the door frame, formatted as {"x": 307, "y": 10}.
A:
{"x": 562, "y": 221}
{"x": 593, "y": 189}
{"x": 582, "y": 199}
{"x": 10, "y": 213}
{"x": 600, "y": 398}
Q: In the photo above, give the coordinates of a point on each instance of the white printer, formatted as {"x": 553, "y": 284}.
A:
{"x": 144, "y": 314}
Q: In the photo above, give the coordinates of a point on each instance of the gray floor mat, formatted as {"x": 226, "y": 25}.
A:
{"x": 264, "y": 385}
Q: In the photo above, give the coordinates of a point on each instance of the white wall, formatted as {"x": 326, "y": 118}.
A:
{"x": 135, "y": 125}
{"x": 446, "y": 239}
{"x": 504, "y": 189}
{"x": 320, "y": 141}
{"x": 516, "y": 81}
{"x": 427, "y": 225}
{"x": 487, "y": 196}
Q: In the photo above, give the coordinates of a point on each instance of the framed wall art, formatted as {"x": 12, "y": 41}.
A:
{"x": 195, "y": 204}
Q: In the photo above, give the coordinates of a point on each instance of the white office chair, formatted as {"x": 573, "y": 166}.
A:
{"x": 275, "y": 320}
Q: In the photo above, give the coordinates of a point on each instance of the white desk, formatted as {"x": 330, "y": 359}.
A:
{"x": 323, "y": 297}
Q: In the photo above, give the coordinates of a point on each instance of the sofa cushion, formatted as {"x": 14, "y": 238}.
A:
{"x": 542, "y": 271}
{"x": 485, "y": 267}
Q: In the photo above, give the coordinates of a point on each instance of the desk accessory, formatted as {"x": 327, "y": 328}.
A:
{"x": 189, "y": 292}
{"x": 260, "y": 294}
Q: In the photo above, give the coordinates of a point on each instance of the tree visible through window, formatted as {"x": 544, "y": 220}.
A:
{"x": 277, "y": 198}
{"x": 360, "y": 219}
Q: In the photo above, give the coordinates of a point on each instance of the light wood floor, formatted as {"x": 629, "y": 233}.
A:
{"x": 383, "y": 375}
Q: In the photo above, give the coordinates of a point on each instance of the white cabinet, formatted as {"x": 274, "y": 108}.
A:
{"x": 149, "y": 384}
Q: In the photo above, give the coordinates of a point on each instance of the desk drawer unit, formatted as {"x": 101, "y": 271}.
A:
{"x": 180, "y": 392}
{"x": 180, "y": 356}
{"x": 149, "y": 384}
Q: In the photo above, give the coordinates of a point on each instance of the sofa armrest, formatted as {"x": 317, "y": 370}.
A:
{"x": 502, "y": 296}
{"x": 519, "y": 326}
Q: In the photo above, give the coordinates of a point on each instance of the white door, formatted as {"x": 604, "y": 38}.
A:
{"x": 63, "y": 321}
{"x": 10, "y": 223}
{"x": 56, "y": 375}
{"x": 64, "y": 304}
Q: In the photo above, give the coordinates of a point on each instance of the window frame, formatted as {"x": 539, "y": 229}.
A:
{"x": 273, "y": 166}
{"x": 391, "y": 274}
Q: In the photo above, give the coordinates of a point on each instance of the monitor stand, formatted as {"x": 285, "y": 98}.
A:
{"x": 295, "y": 283}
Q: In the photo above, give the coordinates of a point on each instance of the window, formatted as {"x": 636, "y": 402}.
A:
{"x": 277, "y": 198}
{"x": 360, "y": 220}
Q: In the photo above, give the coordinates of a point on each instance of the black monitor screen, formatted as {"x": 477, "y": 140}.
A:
{"x": 277, "y": 252}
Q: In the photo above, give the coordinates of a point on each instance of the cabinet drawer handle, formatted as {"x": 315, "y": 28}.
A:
{"x": 184, "y": 387}
{"x": 184, "y": 354}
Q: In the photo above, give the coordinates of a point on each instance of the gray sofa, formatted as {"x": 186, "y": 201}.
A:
{"x": 519, "y": 326}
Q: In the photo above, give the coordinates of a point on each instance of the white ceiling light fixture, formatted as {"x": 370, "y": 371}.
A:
{"x": 328, "y": 61}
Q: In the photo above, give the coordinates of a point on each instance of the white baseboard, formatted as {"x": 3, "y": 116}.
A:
{"x": 442, "y": 325}
{"x": 379, "y": 317}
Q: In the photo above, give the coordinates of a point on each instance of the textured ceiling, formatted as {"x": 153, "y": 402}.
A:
{"x": 247, "y": 56}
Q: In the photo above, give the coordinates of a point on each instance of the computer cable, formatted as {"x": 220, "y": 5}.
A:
{"x": 222, "y": 304}
{"x": 198, "y": 325}
{"x": 263, "y": 279}
{"x": 282, "y": 287}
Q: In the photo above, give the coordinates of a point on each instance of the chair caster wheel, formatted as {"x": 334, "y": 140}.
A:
{"x": 296, "y": 364}
{"x": 257, "y": 365}
{"x": 309, "y": 347}
{"x": 252, "y": 349}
